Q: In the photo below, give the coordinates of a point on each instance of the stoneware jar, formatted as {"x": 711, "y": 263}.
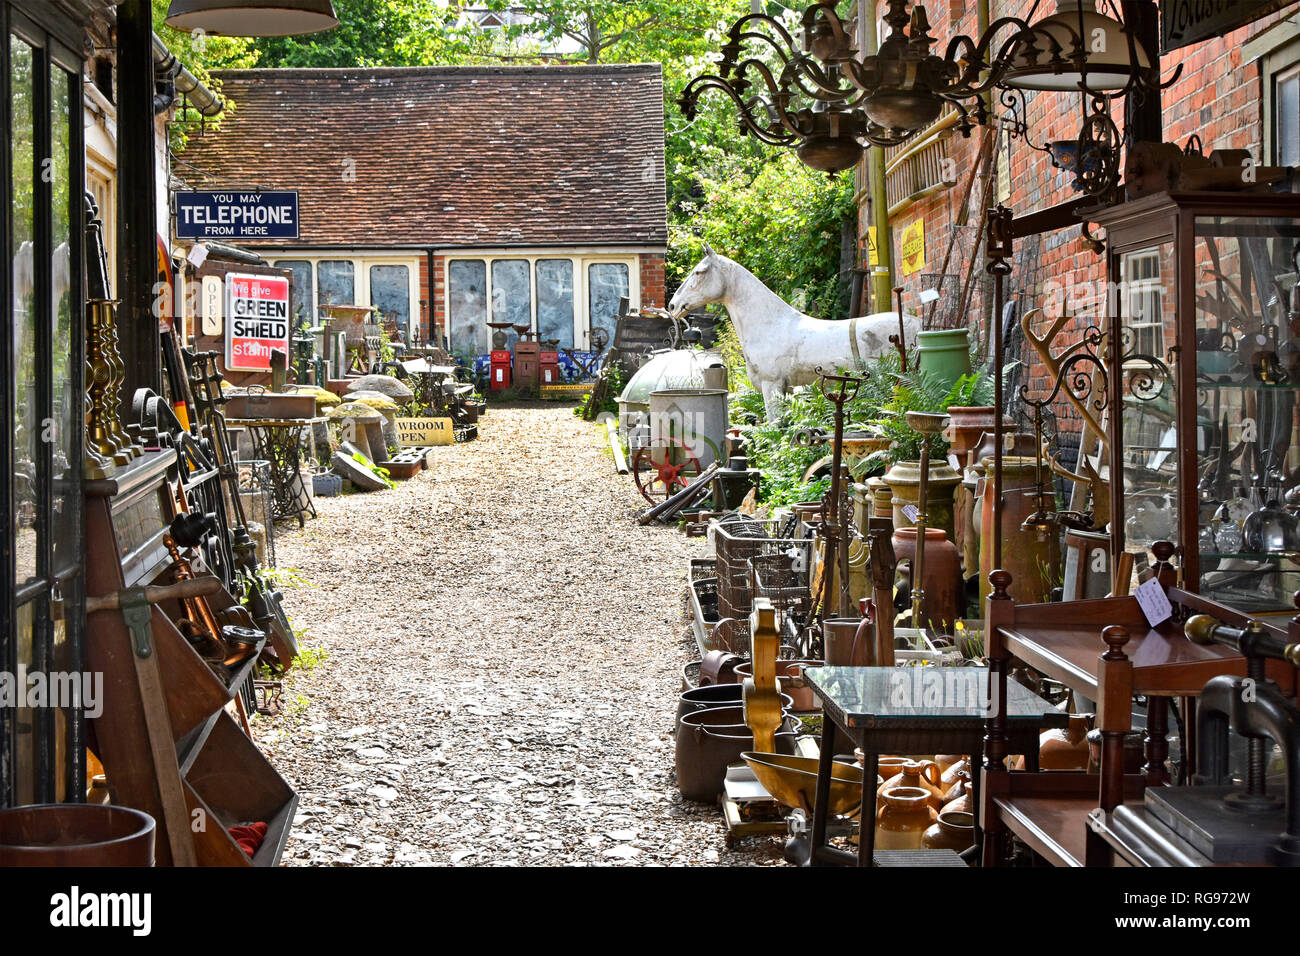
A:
{"x": 902, "y": 821}
{"x": 945, "y": 593}
{"x": 905, "y": 482}
{"x": 916, "y": 775}
{"x": 954, "y": 830}
{"x": 1032, "y": 561}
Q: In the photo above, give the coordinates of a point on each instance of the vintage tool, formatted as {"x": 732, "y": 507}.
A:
{"x": 761, "y": 696}
{"x": 882, "y": 563}
{"x": 926, "y": 424}
{"x": 1230, "y": 824}
{"x": 664, "y": 467}
{"x": 839, "y": 390}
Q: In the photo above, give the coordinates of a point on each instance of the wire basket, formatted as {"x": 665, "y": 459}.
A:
{"x": 782, "y": 578}
{"x": 257, "y": 497}
{"x": 736, "y": 540}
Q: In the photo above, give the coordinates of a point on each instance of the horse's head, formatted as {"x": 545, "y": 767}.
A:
{"x": 706, "y": 284}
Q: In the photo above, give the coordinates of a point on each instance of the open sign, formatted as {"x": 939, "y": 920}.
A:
{"x": 257, "y": 310}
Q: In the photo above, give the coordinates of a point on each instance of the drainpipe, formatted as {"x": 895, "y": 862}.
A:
{"x": 199, "y": 97}
{"x": 882, "y": 280}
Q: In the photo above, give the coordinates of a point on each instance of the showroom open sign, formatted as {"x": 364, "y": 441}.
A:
{"x": 233, "y": 216}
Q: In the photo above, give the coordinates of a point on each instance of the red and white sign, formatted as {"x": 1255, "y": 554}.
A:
{"x": 257, "y": 320}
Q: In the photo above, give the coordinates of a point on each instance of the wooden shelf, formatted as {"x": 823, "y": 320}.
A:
{"x": 1054, "y": 827}
{"x": 1165, "y": 662}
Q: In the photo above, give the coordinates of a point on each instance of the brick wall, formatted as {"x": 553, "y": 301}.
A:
{"x": 1216, "y": 97}
{"x": 438, "y": 302}
{"x": 652, "y": 280}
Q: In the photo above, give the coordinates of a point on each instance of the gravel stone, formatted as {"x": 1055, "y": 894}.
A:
{"x": 504, "y": 649}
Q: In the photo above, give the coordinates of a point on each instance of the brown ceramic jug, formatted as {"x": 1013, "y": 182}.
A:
{"x": 954, "y": 830}
{"x": 915, "y": 774}
{"x": 902, "y": 821}
{"x": 958, "y": 796}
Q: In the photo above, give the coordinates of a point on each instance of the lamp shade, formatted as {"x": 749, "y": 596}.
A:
{"x": 1104, "y": 43}
{"x": 252, "y": 18}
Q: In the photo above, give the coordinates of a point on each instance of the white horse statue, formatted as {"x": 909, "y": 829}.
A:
{"x": 783, "y": 348}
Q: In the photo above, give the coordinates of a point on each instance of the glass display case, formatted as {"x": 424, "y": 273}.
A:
{"x": 1206, "y": 313}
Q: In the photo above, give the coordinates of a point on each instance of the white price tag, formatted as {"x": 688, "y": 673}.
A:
{"x": 1155, "y": 605}
{"x": 910, "y": 512}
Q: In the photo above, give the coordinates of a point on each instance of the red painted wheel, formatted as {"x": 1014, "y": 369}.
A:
{"x": 663, "y": 468}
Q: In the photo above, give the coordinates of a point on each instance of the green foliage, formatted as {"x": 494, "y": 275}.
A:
{"x": 616, "y": 377}
{"x": 309, "y": 658}
{"x": 286, "y": 578}
{"x": 372, "y": 33}
{"x": 383, "y": 474}
{"x": 728, "y": 346}
{"x": 918, "y": 391}
{"x": 782, "y": 223}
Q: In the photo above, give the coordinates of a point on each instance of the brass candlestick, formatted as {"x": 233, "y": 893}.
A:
{"x": 925, "y": 424}
{"x": 113, "y": 355}
{"x": 103, "y": 451}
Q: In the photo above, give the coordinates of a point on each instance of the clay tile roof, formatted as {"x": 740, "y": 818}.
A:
{"x": 448, "y": 156}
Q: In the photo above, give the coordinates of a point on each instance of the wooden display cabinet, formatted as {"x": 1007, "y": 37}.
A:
{"x": 1205, "y": 433}
{"x": 213, "y": 768}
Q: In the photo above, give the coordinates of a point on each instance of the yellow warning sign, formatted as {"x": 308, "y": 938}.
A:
{"x": 912, "y": 247}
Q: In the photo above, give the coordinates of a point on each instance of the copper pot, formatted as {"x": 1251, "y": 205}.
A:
{"x": 714, "y": 696}
{"x": 707, "y": 742}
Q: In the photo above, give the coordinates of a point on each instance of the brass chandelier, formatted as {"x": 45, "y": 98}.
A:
{"x": 819, "y": 95}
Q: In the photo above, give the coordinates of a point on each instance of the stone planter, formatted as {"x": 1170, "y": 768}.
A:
{"x": 904, "y": 481}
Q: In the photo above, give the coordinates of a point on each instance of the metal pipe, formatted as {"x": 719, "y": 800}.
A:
{"x": 882, "y": 281}
{"x": 198, "y": 96}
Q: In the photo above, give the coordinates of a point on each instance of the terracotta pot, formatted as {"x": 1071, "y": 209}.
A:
{"x": 903, "y": 819}
{"x": 958, "y": 796}
{"x": 888, "y": 766}
{"x": 954, "y": 771}
{"x": 905, "y": 482}
{"x": 966, "y": 424}
{"x": 945, "y": 594}
{"x": 916, "y": 775}
{"x": 709, "y": 740}
{"x": 71, "y": 834}
{"x": 1032, "y": 561}
{"x": 954, "y": 830}
{"x": 790, "y": 678}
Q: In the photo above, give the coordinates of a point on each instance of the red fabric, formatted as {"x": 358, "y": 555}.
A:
{"x": 249, "y": 837}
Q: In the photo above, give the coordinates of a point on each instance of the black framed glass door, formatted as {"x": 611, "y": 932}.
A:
{"x": 42, "y": 738}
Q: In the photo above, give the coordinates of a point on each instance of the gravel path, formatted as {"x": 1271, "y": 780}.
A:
{"x": 503, "y": 650}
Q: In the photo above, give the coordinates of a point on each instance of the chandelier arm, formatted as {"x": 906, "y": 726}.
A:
{"x": 708, "y": 81}
{"x": 833, "y": 20}
{"x": 807, "y": 71}
{"x": 785, "y": 54}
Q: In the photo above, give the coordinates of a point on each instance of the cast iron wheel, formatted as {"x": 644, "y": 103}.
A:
{"x": 660, "y": 480}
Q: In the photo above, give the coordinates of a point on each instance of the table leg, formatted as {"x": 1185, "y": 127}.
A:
{"x": 867, "y": 816}
{"x": 1157, "y": 741}
{"x": 822, "y": 801}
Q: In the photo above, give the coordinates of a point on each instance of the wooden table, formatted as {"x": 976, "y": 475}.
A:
{"x": 911, "y": 710}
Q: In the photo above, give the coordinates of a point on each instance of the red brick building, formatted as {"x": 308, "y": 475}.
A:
{"x": 1237, "y": 90}
{"x": 450, "y": 197}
